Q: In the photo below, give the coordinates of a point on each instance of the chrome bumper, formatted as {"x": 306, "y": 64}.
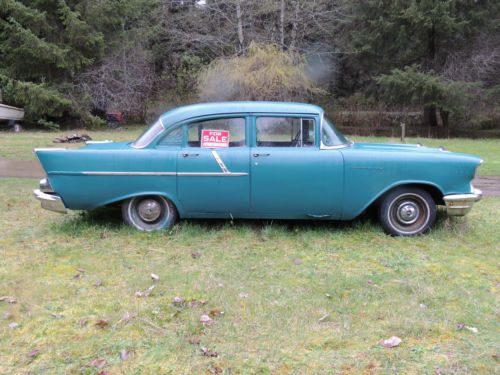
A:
{"x": 50, "y": 202}
{"x": 461, "y": 204}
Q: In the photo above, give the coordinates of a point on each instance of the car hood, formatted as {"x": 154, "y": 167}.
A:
{"x": 410, "y": 148}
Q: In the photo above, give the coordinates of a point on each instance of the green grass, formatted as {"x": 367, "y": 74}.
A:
{"x": 365, "y": 285}
{"x": 19, "y": 146}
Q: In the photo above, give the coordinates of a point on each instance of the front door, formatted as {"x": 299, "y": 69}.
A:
{"x": 213, "y": 168}
{"x": 290, "y": 176}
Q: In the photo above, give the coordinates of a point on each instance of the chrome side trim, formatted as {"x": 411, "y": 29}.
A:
{"x": 461, "y": 204}
{"x": 98, "y": 173}
{"x": 98, "y": 142}
{"x": 50, "y": 202}
{"x": 211, "y": 174}
{"x": 49, "y": 149}
{"x": 182, "y": 174}
{"x": 219, "y": 161}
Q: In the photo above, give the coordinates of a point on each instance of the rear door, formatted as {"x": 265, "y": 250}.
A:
{"x": 213, "y": 167}
{"x": 291, "y": 177}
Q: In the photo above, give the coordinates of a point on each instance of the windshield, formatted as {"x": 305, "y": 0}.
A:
{"x": 331, "y": 136}
{"x": 148, "y": 135}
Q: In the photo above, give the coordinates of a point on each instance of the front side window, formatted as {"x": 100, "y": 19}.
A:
{"x": 331, "y": 136}
{"x": 233, "y": 127}
{"x": 285, "y": 132}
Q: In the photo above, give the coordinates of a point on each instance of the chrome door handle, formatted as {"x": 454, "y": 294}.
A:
{"x": 186, "y": 155}
{"x": 257, "y": 155}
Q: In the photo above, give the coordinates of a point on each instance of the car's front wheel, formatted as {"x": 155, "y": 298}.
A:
{"x": 407, "y": 211}
{"x": 149, "y": 213}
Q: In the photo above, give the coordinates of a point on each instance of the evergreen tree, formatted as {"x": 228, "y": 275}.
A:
{"x": 43, "y": 44}
{"x": 384, "y": 35}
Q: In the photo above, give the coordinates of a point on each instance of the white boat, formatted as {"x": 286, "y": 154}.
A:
{"x": 11, "y": 113}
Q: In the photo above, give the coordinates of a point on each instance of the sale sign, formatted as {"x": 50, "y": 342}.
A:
{"x": 214, "y": 138}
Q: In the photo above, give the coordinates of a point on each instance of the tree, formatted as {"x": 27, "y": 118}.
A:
{"x": 264, "y": 72}
{"x": 43, "y": 45}
{"x": 384, "y": 35}
{"x": 124, "y": 79}
{"x": 410, "y": 86}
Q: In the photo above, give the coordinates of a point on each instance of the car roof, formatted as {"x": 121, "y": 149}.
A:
{"x": 206, "y": 109}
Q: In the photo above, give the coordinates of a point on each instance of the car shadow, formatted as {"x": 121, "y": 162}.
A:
{"x": 111, "y": 219}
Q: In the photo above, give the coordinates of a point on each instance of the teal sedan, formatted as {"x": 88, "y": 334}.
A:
{"x": 257, "y": 160}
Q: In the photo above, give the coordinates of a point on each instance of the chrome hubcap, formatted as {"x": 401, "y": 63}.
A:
{"x": 149, "y": 210}
{"x": 407, "y": 212}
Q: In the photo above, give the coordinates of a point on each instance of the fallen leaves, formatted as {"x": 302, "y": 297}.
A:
{"x": 145, "y": 293}
{"x": 461, "y": 326}
{"x": 80, "y": 272}
{"x": 98, "y": 363}
{"x": 102, "y": 323}
{"x": 206, "y": 320}
{"x": 324, "y": 318}
{"x": 178, "y": 301}
{"x": 125, "y": 354}
{"x": 83, "y": 322}
{"x": 197, "y": 303}
{"x": 33, "y": 353}
{"x": 208, "y": 353}
{"x": 8, "y": 299}
{"x": 391, "y": 342}
{"x": 215, "y": 313}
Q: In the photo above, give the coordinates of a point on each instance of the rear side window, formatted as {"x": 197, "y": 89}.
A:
{"x": 235, "y": 126}
{"x": 285, "y": 132}
{"x": 173, "y": 138}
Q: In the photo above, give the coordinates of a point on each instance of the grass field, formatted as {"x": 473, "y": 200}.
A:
{"x": 285, "y": 297}
{"x": 19, "y": 146}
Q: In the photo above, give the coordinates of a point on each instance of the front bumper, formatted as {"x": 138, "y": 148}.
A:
{"x": 50, "y": 202}
{"x": 461, "y": 204}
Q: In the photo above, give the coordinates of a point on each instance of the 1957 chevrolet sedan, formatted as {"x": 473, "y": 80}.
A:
{"x": 257, "y": 160}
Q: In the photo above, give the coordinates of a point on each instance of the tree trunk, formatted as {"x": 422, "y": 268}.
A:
{"x": 445, "y": 117}
{"x": 293, "y": 41}
{"x": 430, "y": 116}
{"x": 282, "y": 24}
{"x": 240, "y": 25}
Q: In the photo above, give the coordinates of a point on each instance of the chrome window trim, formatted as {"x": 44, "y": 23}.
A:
{"x": 153, "y": 139}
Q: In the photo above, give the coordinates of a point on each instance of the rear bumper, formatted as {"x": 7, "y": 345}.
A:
{"x": 50, "y": 202}
{"x": 461, "y": 204}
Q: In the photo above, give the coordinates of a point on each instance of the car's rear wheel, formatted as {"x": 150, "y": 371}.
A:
{"x": 149, "y": 213}
{"x": 407, "y": 211}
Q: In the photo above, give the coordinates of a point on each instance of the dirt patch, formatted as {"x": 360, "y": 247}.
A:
{"x": 21, "y": 169}
{"x": 490, "y": 185}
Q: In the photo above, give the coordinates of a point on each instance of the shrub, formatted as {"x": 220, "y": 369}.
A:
{"x": 263, "y": 72}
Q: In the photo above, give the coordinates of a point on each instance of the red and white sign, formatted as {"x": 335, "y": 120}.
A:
{"x": 214, "y": 138}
